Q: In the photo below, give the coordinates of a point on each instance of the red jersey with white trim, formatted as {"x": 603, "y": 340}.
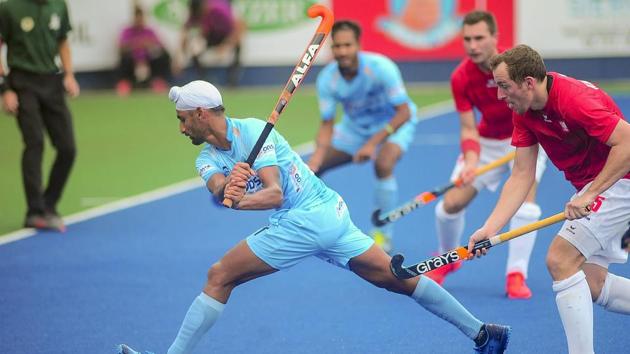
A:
{"x": 472, "y": 87}
{"x": 573, "y": 128}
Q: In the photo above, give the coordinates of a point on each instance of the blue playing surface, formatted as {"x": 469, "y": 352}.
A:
{"x": 130, "y": 276}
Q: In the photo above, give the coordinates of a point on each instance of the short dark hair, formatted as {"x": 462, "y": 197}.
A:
{"x": 522, "y": 61}
{"x": 138, "y": 11}
{"x": 475, "y": 17}
{"x": 347, "y": 25}
{"x": 217, "y": 109}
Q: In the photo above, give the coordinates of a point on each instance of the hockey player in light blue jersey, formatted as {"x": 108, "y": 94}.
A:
{"x": 310, "y": 220}
{"x": 378, "y": 121}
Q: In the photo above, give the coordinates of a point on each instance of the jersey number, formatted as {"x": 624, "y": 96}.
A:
{"x": 597, "y": 203}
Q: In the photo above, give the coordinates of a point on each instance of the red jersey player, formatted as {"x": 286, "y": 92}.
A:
{"x": 473, "y": 87}
{"x": 585, "y": 136}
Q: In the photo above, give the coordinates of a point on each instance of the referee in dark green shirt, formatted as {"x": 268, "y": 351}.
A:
{"x": 35, "y": 32}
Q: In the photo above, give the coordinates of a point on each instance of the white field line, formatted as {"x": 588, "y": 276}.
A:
{"x": 429, "y": 112}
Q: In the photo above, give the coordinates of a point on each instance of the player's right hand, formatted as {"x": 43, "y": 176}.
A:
{"x": 235, "y": 190}
{"x": 10, "y": 102}
{"x": 467, "y": 176}
{"x": 479, "y": 235}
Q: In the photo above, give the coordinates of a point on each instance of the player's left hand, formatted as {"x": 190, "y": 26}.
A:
{"x": 479, "y": 235}
{"x": 579, "y": 206}
{"x": 468, "y": 175}
{"x": 71, "y": 85}
{"x": 366, "y": 152}
{"x": 241, "y": 172}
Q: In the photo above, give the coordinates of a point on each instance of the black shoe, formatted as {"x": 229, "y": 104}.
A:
{"x": 494, "y": 339}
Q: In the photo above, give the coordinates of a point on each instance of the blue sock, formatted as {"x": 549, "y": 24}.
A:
{"x": 201, "y": 315}
{"x": 386, "y": 197}
{"x": 438, "y": 301}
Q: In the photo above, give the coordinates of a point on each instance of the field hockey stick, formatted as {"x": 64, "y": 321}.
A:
{"x": 461, "y": 253}
{"x": 424, "y": 198}
{"x": 297, "y": 76}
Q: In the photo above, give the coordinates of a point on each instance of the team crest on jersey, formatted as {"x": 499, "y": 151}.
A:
{"x": 55, "y": 22}
{"x": 546, "y": 118}
{"x": 27, "y": 24}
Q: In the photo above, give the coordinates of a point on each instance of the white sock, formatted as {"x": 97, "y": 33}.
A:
{"x": 615, "y": 295}
{"x": 201, "y": 315}
{"x": 385, "y": 199}
{"x": 449, "y": 227}
{"x": 520, "y": 248}
{"x": 573, "y": 299}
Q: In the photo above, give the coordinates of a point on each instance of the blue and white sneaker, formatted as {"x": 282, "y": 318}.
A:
{"x": 125, "y": 349}
{"x": 494, "y": 339}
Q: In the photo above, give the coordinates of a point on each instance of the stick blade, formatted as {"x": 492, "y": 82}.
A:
{"x": 396, "y": 266}
{"x": 376, "y": 218}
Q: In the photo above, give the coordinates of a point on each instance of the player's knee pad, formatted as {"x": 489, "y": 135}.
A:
{"x": 441, "y": 213}
{"x": 528, "y": 211}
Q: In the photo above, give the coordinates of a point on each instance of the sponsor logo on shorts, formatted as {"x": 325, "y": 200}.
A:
{"x": 571, "y": 229}
{"x": 341, "y": 207}
{"x": 437, "y": 261}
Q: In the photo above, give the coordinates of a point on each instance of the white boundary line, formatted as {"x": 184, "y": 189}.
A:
{"x": 429, "y": 112}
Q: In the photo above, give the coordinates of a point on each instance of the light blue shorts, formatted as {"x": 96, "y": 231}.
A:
{"x": 325, "y": 231}
{"x": 348, "y": 139}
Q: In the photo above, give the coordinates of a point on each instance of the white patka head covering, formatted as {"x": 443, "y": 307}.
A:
{"x": 195, "y": 94}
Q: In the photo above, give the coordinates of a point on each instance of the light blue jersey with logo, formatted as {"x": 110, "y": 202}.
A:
{"x": 300, "y": 186}
{"x": 369, "y": 99}
{"x": 313, "y": 219}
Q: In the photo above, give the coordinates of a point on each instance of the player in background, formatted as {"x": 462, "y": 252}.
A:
{"x": 473, "y": 87}
{"x": 586, "y": 136}
{"x": 378, "y": 121}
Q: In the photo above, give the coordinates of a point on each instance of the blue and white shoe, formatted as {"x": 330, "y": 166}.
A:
{"x": 125, "y": 349}
{"x": 496, "y": 339}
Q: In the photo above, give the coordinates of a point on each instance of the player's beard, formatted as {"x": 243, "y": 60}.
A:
{"x": 196, "y": 141}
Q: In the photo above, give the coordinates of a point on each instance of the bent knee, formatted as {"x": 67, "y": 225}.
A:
{"x": 218, "y": 276}
{"x": 561, "y": 266}
{"x": 384, "y": 168}
{"x": 452, "y": 205}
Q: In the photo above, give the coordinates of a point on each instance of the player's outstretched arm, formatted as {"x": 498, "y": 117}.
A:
{"x": 469, "y": 138}
{"x": 322, "y": 144}
{"x": 617, "y": 165}
{"x": 512, "y": 196}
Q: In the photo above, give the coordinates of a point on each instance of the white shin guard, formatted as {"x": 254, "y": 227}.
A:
{"x": 573, "y": 299}
{"x": 520, "y": 248}
{"x": 449, "y": 227}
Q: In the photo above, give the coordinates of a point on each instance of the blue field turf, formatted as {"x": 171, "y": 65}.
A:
{"x": 130, "y": 276}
